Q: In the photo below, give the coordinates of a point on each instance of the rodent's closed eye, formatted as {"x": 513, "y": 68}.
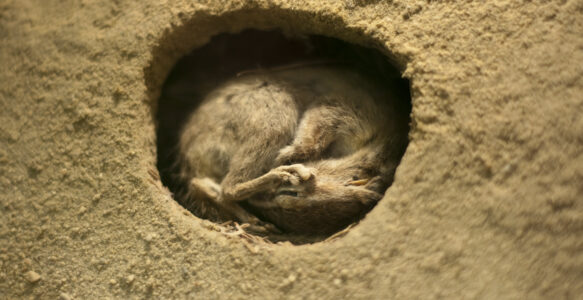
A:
{"x": 287, "y": 193}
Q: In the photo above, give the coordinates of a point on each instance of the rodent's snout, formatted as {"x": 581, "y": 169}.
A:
{"x": 318, "y": 206}
{"x": 321, "y": 211}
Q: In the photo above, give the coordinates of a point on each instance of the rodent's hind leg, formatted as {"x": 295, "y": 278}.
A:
{"x": 208, "y": 188}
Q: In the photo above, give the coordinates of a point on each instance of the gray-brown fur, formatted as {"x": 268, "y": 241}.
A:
{"x": 308, "y": 150}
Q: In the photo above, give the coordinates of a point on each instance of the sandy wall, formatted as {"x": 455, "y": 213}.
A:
{"x": 486, "y": 202}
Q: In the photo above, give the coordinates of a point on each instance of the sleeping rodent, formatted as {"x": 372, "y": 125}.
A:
{"x": 297, "y": 149}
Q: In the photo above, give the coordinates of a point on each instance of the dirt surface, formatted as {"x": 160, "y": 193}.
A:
{"x": 486, "y": 202}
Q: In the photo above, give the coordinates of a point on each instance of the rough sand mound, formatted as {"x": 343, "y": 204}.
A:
{"x": 486, "y": 202}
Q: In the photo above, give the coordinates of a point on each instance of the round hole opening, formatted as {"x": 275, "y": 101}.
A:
{"x": 298, "y": 135}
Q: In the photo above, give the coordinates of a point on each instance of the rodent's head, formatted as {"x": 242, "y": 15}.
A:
{"x": 325, "y": 204}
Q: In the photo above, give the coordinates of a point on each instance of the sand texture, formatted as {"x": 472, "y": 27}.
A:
{"x": 486, "y": 202}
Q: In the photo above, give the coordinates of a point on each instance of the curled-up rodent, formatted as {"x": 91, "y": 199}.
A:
{"x": 305, "y": 150}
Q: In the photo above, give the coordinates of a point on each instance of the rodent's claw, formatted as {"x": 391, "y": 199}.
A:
{"x": 271, "y": 228}
{"x": 293, "y": 179}
{"x": 259, "y": 227}
{"x": 304, "y": 172}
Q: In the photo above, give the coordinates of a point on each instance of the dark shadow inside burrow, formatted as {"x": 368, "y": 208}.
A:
{"x": 227, "y": 55}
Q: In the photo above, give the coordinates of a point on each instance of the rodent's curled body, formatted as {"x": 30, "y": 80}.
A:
{"x": 309, "y": 150}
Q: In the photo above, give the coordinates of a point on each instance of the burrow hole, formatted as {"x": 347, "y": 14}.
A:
{"x": 228, "y": 55}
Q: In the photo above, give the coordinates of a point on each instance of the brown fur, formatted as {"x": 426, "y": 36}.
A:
{"x": 309, "y": 150}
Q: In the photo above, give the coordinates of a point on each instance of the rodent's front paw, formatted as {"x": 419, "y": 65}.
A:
{"x": 295, "y": 174}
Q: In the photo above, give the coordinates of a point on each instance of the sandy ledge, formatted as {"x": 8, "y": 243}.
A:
{"x": 486, "y": 202}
